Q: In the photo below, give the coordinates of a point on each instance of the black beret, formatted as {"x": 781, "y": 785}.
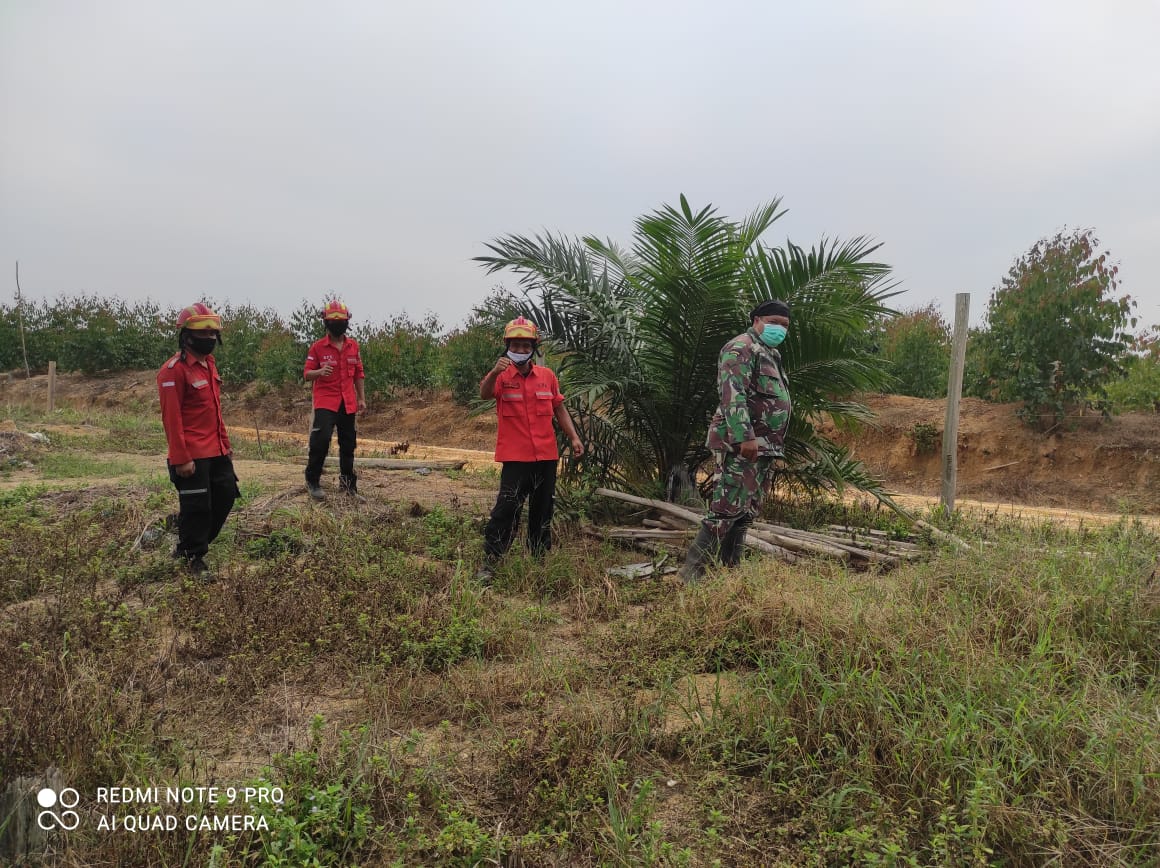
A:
{"x": 771, "y": 308}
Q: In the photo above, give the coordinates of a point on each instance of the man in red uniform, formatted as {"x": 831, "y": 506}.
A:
{"x": 335, "y": 368}
{"x": 199, "y": 448}
{"x": 527, "y": 398}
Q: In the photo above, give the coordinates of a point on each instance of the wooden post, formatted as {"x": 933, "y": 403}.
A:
{"x": 21, "y": 837}
{"x": 51, "y": 386}
{"x": 950, "y": 450}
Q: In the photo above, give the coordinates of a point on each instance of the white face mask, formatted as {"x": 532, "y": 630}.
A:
{"x": 518, "y": 358}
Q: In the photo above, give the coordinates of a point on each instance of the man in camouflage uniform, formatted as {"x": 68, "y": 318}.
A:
{"x": 746, "y": 436}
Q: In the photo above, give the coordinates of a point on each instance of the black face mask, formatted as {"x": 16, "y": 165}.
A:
{"x": 203, "y": 346}
{"x": 337, "y": 327}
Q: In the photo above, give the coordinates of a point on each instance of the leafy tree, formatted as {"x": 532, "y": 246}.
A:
{"x": 469, "y": 352}
{"x": 11, "y": 356}
{"x": 918, "y": 344}
{"x": 280, "y": 359}
{"x": 638, "y": 332}
{"x": 306, "y": 323}
{"x": 1055, "y": 331}
{"x": 976, "y": 380}
{"x": 245, "y": 331}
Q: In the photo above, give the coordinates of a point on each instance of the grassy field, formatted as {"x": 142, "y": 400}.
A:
{"x": 992, "y": 707}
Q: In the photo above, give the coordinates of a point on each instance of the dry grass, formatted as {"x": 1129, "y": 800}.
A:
{"x": 992, "y": 706}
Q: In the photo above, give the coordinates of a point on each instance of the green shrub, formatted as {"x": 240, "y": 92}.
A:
{"x": 917, "y": 343}
{"x": 468, "y": 355}
{"x": 1139, "y": 390}
{"x": 926, "y": 437}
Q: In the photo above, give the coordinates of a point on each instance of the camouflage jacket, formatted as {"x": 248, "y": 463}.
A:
{"x": 755, "y": 402}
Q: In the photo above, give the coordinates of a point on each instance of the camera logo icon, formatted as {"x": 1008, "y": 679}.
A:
{"x": 67, "y": 819}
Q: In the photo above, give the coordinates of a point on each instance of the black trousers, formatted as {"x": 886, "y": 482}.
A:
{"x": 534, "y": 481}
{"x": 205, "y": 500}
{"x": 325, "y": 421}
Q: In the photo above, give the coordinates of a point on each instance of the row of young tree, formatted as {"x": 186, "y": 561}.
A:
{"x": 634, "y": 333}
{"x": 93, "y": 334}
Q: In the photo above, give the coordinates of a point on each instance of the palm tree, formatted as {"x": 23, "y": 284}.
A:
{"x": 637, "y": 333}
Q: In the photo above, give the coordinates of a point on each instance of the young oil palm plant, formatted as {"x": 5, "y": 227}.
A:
{"x": 637, "y": 333}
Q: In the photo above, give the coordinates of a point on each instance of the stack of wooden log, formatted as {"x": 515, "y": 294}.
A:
{"x": 858, "y": 547}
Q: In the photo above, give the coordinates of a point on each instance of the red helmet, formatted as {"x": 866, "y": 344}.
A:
{"x": 522, "y": 329}
{"x": 198, "y": 316}
{"x": 336, "y": 310}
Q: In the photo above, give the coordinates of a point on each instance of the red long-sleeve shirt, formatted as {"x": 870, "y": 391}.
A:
{"x": 337, "y": 389}
{"x": 191, "y": 409}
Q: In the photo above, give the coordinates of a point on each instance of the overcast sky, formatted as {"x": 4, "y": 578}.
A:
{"x": 274, "y": 151}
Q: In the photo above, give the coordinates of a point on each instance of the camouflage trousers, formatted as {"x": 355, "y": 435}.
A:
{"x": 740, "y": 490}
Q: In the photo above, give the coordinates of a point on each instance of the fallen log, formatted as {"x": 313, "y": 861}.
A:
{"x": 847, "y": 528}
{"x": 753, "y": 541}
{"x": 646, "y": 533}
{"x": 879, "y": 545}
{"x": 395, "y": 463}
{"x": 663, "y": 506}
{"x": 797, "y": 545}
{"x": 842, "y": 531}
{"x": 918, "y": 522}
{"x": 770, "y": 549}
{"x": 875, "y": 552}
{"x": 942, "y": 535}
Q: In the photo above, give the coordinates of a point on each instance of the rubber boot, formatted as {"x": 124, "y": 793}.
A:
{"x": 734, "y": 542}
{"x": 703, "y": 551}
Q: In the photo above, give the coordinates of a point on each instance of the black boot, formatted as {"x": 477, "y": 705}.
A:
{"x": 348, "y": 485}
{"x": 703, "y": 550}
{"x": 199, "y": 569}
{"x": 734, "y": 542}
